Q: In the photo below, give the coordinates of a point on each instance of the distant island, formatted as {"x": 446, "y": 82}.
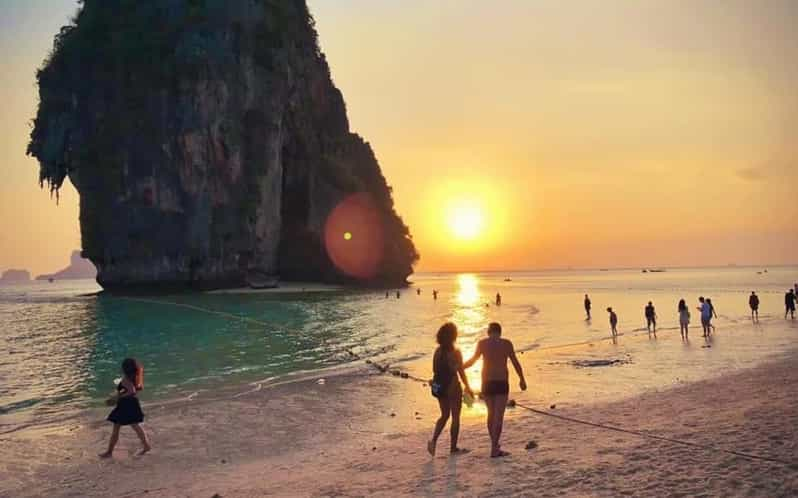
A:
{"x": 78, "y": 268}
{"x": 210, "y": 149}
{"x": 14, "y": 276}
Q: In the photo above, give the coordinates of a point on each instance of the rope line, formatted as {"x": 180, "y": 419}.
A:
{"x": 198, "y": 308}
{"x": 751, "y": 456}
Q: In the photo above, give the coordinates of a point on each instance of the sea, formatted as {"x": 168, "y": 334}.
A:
{"x": 61, "y": 343}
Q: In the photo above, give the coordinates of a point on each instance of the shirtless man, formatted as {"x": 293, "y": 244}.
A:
{"x": 495, "y": 381}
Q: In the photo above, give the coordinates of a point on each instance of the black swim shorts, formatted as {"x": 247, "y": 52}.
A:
{"x": 495, "y": 387}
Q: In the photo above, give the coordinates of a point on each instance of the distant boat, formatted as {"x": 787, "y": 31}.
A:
{"x": 657, "y": 271}
{"x": 508, "y": 279}
{"x": 645, "y": 271}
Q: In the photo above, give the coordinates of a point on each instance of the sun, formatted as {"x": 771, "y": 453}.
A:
{"x": 465, "y": 220}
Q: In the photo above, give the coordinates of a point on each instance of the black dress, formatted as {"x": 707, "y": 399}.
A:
{"x": 127, "y": 410}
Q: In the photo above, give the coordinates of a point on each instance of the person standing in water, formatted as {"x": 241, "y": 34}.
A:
{"x": 495, "y": 352}
{"x": 398, "y": 294}
{"x": 789, "y": 304}
{"x": 498, "y": 299}
{"x": 651, "y": 318}
{"x": 753, "y": 302}
{"x": 613, "y": 322}
{"x": 706, "y": 315}
{"x": 434, "y": 295}
{"x": 418, "y": 291}
{"x": 128, "y": 409}
{"x": 587, "y": 306}
{"x": 447, "y": 365}
{"x": 712, "y": 314}
{"x": 684, "y": 318}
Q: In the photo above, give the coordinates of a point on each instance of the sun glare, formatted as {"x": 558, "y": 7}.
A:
{"x": 465, "y": 220}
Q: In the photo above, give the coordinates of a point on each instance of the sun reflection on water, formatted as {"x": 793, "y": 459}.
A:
{"x": 469, "y": 314}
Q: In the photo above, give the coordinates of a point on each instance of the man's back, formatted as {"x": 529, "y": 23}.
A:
{"x": 495, "y": 352}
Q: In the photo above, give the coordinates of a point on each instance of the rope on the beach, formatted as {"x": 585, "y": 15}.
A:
{"x": 659, "y": 438}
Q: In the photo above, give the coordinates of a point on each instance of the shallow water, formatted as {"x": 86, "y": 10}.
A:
{"x": 60, "y": 349}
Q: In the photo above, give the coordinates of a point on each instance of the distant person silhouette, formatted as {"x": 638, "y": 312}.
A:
{"x": 386, "y": 294}
{"x": 753, "y": 302}
{"x": 587, "y": 306}
{"x": 418, "y": 291}
{"x": 789, "y": 304}
{"x": 651, "y": 318}
{"x": 706, "y": 315}
{"x": 712, "y": 314}
{"x": 498, "y": 299}
{"x": 434, "y": 295}
{"x": 398, "y": 294}
{"x": 684, "y": 318}
{"x": 613, "y": 322}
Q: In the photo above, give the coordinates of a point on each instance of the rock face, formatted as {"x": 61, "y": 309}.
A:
{"x": 208, "y": 145}
{"x": 78, "y": 268}
{"x": 14, "y": 276}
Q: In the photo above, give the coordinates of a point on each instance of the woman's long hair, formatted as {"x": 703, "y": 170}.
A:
{"x": 447, "y": 334}
{"x": 682, "y": 305}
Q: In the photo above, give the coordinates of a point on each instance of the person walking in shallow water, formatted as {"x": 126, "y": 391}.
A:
{"x": 789, "y": 304}
{"x": 651, "y": 318}
{"x": 613, "y": 322}
{"x": 706, "y": 315}
{"x": 712, "y": 314}
{"x": 447, "y": 365}
{"x": 498, "y": 299}
{"x": 684, "y": 319}
{"x": 495, "y": 352}
{"x": 753, "y": 302}
{"x": 588, "y": 305}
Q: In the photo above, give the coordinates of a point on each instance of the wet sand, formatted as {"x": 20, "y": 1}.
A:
{"x": 364, "y": 433}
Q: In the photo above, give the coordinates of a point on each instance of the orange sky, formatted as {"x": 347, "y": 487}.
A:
{"x": 593, "y": 133}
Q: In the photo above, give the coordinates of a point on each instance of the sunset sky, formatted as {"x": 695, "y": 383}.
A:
{"x": 520, "y": 134}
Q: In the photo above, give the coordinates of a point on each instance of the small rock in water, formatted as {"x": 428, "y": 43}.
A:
{"x": 393, "y": 414}
{"x": 396, "y": 373}
{"x": 373, "y": 448}
{"x": 531, "y": 445}
{"x": 368, "y": 362}
{"x": 511, "y": 403}
{"x": 224, "y": 461}
{"x": 405, "y": 375}
{"x": 553, "y": 407}
{"x": 216, "y": 495}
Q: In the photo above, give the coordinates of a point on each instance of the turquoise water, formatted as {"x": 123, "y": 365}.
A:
{"x": 60, "y": 348}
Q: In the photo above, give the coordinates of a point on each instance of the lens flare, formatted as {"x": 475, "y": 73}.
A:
{"x": 353, "y": 237}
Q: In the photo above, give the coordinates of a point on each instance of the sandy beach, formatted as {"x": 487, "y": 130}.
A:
{"x": 363, "y": 434}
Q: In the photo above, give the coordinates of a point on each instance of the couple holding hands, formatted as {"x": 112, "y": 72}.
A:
{"x": 448, "y": 365}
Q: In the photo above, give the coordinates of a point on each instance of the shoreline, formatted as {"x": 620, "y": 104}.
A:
{"x": 378, "y": 424}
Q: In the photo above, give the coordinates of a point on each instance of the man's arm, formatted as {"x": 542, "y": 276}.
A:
{"x": 517, "y": 366}
{"x": 474, "y": 358}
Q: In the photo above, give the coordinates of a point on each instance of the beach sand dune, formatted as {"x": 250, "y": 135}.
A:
{"x": 364, "y": 435}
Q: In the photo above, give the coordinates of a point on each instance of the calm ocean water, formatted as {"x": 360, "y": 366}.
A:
{"x": 60, "y": 349}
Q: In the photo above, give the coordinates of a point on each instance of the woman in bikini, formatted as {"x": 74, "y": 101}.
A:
{"x": 447, "y": 365}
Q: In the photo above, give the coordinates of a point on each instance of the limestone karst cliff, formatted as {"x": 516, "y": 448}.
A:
{"x": 210, "y": 148}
